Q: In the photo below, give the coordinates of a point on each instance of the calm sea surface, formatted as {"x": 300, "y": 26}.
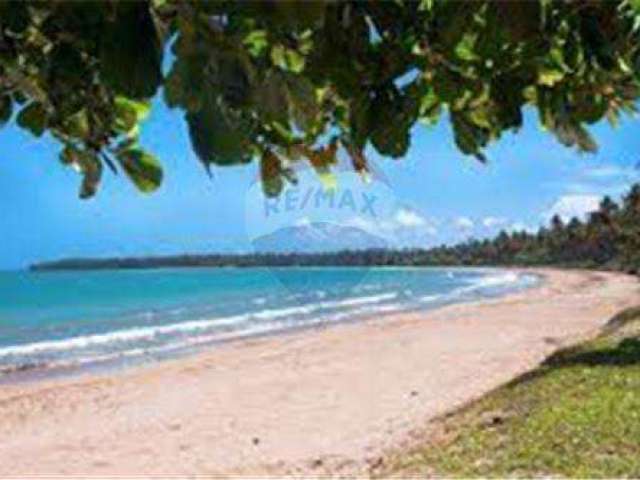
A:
{"x": 62, "y": 320}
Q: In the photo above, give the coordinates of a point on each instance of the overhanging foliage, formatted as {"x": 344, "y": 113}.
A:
{"x": 291, "y": 81}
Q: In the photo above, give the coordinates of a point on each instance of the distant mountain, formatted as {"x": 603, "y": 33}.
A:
{"x": 318, "y": 237}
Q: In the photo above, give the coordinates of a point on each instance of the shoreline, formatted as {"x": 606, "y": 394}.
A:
{"x": 330, "y": 399}
{"x": 33, "y": 372}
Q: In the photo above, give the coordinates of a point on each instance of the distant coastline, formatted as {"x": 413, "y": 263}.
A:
{"x": 356, "y": 258}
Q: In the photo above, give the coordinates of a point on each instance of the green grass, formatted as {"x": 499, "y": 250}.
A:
{"x": 578, "y": 415}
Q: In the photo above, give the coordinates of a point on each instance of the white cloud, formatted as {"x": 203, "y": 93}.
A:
{"x": 612, "y": 171}
{"x": 464, "y": 223}
{"x": 408, "y": 222}
{"x": 573, "y": 205}
{"x": 491, "y": 222}
{"x": 404, "y": 227}
{"x": 409, "y": 218}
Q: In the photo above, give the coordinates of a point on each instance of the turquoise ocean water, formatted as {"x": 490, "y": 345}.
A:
{"x": 57, "y": 321}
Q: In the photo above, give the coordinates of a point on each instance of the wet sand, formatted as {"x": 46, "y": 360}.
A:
{"x": 330, "y": 400}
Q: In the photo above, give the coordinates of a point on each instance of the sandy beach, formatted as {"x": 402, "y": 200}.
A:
{"x": 332, "y": 400}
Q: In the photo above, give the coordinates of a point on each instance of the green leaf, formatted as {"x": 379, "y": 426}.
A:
{"x": 127, "y": 144}
{"x": 158, "y": 4}
{"x": 358, "y": 159}
{"x": 87, "y": 164}
{"x": 426, "y": 5}
{"x": 481, "y": 117}
{"x": 271, "y": 174}
{"x": 129, "y": 113}
{"x": 273, "y": 98}
{"x": 77, "y": 125}
{"x": 256, "y": 42}
{"x": 131, "y": 52}
{"x": 216, "y": 67}
{"x": 142, "y": 168}
{"x": 430, "y": 107}
{"x": 33, "y": 118}
{"x": 390, "y": 133}
{"x": 468, "y": 137}
{"x": 69, "y": 155}
{"x": 140, "y": 109}
{"x": 92, "y": 173}
{"x": 287, "y": 59}
{"x": 573, "y": 134}
{"x": 70, "y": 71}
{"x": 507, "y": 92}
{"x": 549, "y": 77}
{"x": 446, "y": 86}
{"x": 185, "y": 84}
{"x": 590, "y": 108}
{"x": 557, "y": 56}
{"x": 217, "y": 136}
{"x": 231, "y": 74}
{"x": 295, "y": 61}
{"x": 464, "y": 48}
{"x": 360, "y": 121}
{"x": 6, "y": 108}
{"x": 173, "y": 87}
{"x": 304, "y": 105}
{"x": 391, "y": 140}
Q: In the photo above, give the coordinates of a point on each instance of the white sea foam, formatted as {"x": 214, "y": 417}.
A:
{"x": 496, "y": 280}
{"x": 314, "y": 307}
{"x": 393, "y": 307}
{"x": 365, "y": 311}
{"x": 360, "y": 300}
{"x": 284, "y": 312}
{"x": 430, "y": 298}
{"x": 168, "y": 348}
{"x": 125, "y": 335}
{"x": 142, "y": 333}
{"x": 485, "y": 282}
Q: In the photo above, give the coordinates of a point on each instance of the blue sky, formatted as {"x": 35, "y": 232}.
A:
{"x": 441, "y": 195}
